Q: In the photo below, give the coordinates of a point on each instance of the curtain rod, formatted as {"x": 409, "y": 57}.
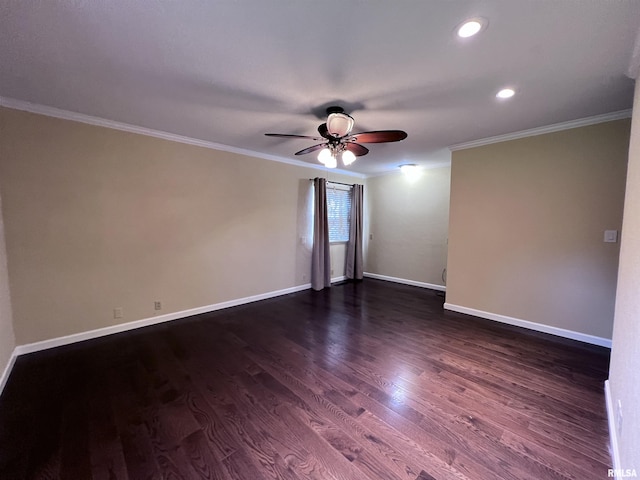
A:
{"x": 337, "y": 183}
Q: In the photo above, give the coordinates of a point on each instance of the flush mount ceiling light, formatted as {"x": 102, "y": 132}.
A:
{"x": 409, "y": 168}
{"x": 506, "y": 93}
{"x": 471, "y": 27}
{"x": 411, "y": 172}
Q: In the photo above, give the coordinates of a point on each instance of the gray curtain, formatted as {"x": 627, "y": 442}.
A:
{"x": 320, "y": 256}
{"x": 354, "y": 247}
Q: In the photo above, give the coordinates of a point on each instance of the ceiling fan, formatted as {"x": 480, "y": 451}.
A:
{"x": 339, "y": 142}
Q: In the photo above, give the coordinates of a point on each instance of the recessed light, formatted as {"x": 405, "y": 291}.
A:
{"x": 506, "y": 93}
{"x": 471, "y": 27}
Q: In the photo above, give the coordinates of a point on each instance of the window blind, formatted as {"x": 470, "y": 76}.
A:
{"x": 338, "y": 211}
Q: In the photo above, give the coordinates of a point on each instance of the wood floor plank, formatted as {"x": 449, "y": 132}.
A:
{"x": 315, "y": 414}
{"x": 377, "y": 392}
{"x": 517, "y": 372}
{"x": 281, "y": 412}
{"x": 368, "y": 380}
{"x": 431, "y": 404}
{"x": 346, "y": 420}
{"x": 197, "y": 450}
{"x": 226, "y": 440}
{"x": 247, "y": 432}
{"x": 105, "y": 448}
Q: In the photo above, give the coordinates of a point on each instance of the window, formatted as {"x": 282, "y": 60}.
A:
{"x": 338, "y": 211}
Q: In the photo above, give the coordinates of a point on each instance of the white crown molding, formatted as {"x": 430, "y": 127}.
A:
{"x": 539, "y": 327}
{"x": 556, "y": 127}
{"x": 404, "y": 281}
{"x": 126, "y": 127}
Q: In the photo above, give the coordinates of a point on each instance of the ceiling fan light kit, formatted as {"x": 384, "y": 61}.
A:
{"x": 329, "y": 156}
{"x": 340, "y": 142}
{"x": 327, "y": 159}
{"x": 348, "y": 157}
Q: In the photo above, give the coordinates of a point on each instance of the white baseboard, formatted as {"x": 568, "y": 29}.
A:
{"x": 613, "y": 433}
{"x": 7, "y": 370}
{"x": 404, "y": 281}
{"x": 123, "y": 327}
{"x": 343, "y": 278}
{"x": 560, "y": 332}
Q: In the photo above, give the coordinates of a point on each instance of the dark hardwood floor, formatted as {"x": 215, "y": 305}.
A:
{"x": 363, "y": 381}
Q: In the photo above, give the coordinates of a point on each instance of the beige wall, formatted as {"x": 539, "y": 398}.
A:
{"x": 527, "y": 222}
{"x": 97, "y": 219}
{"x": 624, "y": 375}
{"x": 409, "y": 223}
{"x": 7, "y": 338}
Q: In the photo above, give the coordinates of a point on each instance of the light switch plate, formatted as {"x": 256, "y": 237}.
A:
{"x": 610, "y": 236}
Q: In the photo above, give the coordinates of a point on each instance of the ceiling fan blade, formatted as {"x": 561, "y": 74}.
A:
{"x": 357, "y": 149}
{"x": 380, "y": 136}
{"x": 286, "y": 135}
{"x": 314, "y": 148}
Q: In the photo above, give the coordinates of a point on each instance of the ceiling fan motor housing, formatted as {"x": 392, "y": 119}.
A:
{"x": 339, "y": 124}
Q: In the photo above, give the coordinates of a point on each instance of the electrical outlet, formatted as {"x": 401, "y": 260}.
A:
{"x": 619, "y": 417}
{"x": 117, "y": 313}
{"x": 157, "y": 305}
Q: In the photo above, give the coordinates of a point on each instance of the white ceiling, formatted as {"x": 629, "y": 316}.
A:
{"x": 228, "y": 71}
